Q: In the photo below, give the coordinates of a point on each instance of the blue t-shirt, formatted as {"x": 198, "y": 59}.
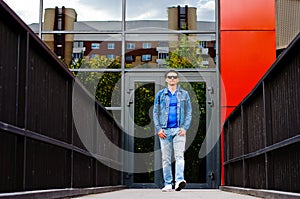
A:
{"x": 172, "y": 118}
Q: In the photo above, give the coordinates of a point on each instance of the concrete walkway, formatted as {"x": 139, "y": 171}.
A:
{"x": 157, "y": 194}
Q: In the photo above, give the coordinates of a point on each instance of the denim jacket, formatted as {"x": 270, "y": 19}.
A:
{"x": 161, "y": 109}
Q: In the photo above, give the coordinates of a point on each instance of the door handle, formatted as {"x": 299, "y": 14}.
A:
{"x": 210, "y": 103}
{"x": 129, "y": 102}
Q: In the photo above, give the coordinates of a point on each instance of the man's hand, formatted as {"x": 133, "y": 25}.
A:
{"x": 161, "y": 134}
{"x": 182, "y": 132}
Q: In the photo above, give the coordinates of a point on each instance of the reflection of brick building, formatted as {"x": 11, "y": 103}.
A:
{"x": 287, "y": 26}
{"x": 139, "y": 49}
{"x": 60, "y": 19}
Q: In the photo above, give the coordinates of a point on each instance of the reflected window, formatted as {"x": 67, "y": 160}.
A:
{"x": 111, "y": 46}
{"x": 130, "y": 46}
{"x": 146, "y": 45}
{"x": 202, "y": 44}
{"x": 111, "y": 56}
{"x": 78, "y": 44}
{"x": 93, "y": 55}
{"x": 146, "y": 57}
{"x": 59, "y": 52}
{"x": 182, "y": 17}
{"x": 163, "y": 55}
{"x": 77, "y": 55}
{"x": 129, "y": 58}
{"x": 95, "y": 46}
{"x": 58, "y": 39}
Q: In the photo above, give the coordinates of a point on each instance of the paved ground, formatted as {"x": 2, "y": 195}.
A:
{"x": 157, "y": 194}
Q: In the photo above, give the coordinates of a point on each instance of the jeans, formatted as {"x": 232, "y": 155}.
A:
{"x": 173, "y": 140}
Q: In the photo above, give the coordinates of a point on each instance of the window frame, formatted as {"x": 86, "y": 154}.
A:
{"x": 111, "y": 46}
{"x": 146, "y": 45}
{"x": 98, "y": 46}
{"x": 130, "y": 46}
{"x": 147, "y": 56}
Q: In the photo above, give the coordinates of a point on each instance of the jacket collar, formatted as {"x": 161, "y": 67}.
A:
{"x": 166, "y": 89}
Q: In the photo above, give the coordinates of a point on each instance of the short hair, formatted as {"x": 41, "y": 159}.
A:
{"x": 171, "y": 71}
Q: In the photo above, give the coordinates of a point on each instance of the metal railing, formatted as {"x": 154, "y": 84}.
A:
{"x": 262, "y": 136}
{"x": 39, "y": 145}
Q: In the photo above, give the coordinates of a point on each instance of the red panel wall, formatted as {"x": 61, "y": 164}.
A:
{"x": 247, "y": 15}
{"x": 245, "y": 57}
{"x": 247, "y": 50}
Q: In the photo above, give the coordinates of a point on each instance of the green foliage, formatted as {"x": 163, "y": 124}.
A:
{"x": 76, "y": 64}
{"x": 102, "y": 85}
{"x": 195, "y": 171}
{"x": 144, "y": 100}
{"x": 185, "y": 54}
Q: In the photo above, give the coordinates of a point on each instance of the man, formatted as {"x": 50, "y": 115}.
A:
{"x": 172, "y": 115}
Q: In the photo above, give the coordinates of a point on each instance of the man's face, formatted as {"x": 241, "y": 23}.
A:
{"x": 172, "y": 79}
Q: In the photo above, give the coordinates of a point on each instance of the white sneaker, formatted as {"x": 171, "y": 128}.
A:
{"x": 180, "y": 185}
{"x": 167, "y": 188}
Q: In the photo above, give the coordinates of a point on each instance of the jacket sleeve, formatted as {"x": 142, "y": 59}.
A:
{"x": 188, "y": 116}
{"x": 156, "y": 112}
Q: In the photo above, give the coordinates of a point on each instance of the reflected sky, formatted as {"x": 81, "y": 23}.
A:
{"x": 103, "y": 10}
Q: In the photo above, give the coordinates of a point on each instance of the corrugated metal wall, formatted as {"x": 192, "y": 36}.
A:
{"x": 287, "y": 21}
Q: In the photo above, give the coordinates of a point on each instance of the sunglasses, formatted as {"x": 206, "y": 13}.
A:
{"x": 171, "y": 76}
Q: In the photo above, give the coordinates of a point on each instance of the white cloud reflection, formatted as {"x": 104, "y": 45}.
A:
{"x": 103, "y": 10}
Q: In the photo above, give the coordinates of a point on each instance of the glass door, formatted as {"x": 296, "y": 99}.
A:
{"x": 140, "y": 93}
{"x": 141, "y": 140}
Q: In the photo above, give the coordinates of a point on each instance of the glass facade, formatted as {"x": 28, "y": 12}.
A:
{"x": 158, "y": 37}
{"x": 120, "y": 38}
